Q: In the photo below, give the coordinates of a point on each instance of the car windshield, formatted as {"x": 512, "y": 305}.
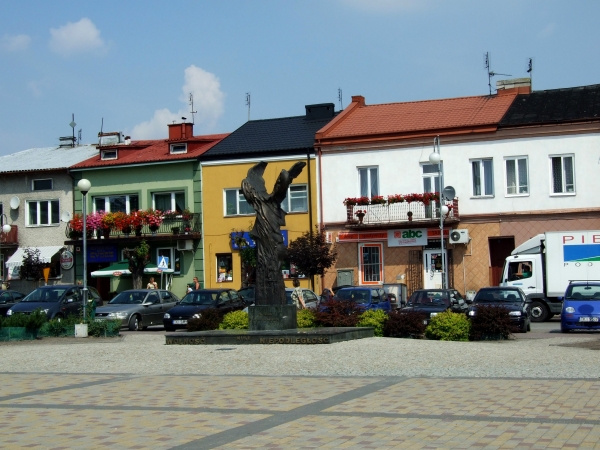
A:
{"x": 200, "y": 298}
{"x": 354, "y": 295}
{"x": 587, "y": 292}
{"x": 431, "y": 298}
{"x": 247, "y": 293}
{"x": 128, "y": 298}
{"x": 45, "y": 295}
{"x": 497, "y": 295}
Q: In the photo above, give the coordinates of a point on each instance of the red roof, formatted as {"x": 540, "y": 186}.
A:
{"x": 149, "y": 151}
{"x": 417, "y": 118}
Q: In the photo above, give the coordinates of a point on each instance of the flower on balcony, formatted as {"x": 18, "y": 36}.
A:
{"x": 186, "y": 214}
{"x": 378, "y": 200}
{"x": 360, "y": 213}
{"x": 429, "y": 197}
{"x": 171, "y": 214}
{"x": 137, "y": 218}
{"x": 154, "y": 218}
{"x": 351, "y": 201}
{"x": 76, "y": 223}
{"x": 395, "y": 198}
{"x": 122, "y": 222}
{"x": 94, "y": 220}
{"x": 409, "y": 198}
{"x": 108, "y": 221}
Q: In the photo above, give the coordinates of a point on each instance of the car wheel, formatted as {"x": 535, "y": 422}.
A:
{"x": 169, "y": 328}
{"x": 539, "y": 312}
{"x": 134, "y": 323}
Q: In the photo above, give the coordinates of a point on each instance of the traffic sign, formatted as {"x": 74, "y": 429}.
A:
{"x": 163, "y": 263}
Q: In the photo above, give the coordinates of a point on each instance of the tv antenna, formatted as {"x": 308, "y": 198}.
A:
{"x": 248, "y": 104}
{"x": 490, "y": 72}
{"x": 72, "y": 125}
{"x": 192, "y": 107}
{"x": 340, "y": 98}
{"x": 79, "y": 137}
{"x": 530, "y": 72}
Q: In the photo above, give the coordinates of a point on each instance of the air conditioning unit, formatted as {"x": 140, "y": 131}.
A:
{"x": 459, "y": 237}
{"x": 188, "y": 244}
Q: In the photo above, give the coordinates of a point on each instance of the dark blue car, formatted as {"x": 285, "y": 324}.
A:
{"x": 365, "y": 297}
{"x": 581, "y": 307}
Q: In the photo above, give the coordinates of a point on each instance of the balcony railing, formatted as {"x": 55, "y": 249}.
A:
{"x": 398, "y": 213}
{"x": 177, "y": 226}
{"x": 10, "y": 238}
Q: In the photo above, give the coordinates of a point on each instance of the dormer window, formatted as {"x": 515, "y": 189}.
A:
{"x": 108, "y": 154}
{"x": 178, "y": 148}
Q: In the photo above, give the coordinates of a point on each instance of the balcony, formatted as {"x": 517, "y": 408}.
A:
{"x": 10, "y": 238}
{"x": 403, "y": 213}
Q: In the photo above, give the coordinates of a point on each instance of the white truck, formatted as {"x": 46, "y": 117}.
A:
{"x": 543, "y": 266}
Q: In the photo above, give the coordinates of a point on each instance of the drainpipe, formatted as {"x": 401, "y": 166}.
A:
{"x": 320, "y": 191}
{"x": 310, "y": 213}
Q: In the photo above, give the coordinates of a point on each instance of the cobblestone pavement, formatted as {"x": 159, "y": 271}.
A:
{"x": 127, "y": 411}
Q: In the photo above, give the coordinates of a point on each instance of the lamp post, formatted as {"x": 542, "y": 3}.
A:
{"x": 5, "y": 229}
{"x": 84, "y": 187}
{"x": 436, "y": 158}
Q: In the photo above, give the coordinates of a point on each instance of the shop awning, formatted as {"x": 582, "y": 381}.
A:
{"x": 121, "y": 269}
{"x": 46, "y": 254}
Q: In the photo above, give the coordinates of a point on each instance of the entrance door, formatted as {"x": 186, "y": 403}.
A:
{"x": 500, "y": 248}
{"x": 432, "y": 269}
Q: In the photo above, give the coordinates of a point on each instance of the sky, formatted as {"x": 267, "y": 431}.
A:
{"x": 131, "y": 65}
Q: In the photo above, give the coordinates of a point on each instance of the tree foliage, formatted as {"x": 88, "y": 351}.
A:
{"x": 32, "y": 265}
{"x": 311, "y": 253}
{"x": 138, "y": 258}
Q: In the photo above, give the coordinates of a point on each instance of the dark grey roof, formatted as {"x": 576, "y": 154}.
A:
{"x": 554, "y": 106}
{"x": 262, "y": 137}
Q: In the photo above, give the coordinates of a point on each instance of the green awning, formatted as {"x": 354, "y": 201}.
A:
{"x": 121, "y": 269}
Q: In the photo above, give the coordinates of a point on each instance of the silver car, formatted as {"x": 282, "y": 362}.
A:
{"x": 138, "y": 308}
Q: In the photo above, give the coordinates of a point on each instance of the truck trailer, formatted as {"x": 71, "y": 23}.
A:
{"x": 544, "y": 265}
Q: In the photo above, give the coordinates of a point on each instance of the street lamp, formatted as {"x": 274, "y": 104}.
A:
{"x": 5, "y": 229}
{"x": 84, "y": 186}
{"x": 436, "y": 158}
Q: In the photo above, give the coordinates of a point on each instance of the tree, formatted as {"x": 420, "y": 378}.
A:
{"x": 138, "y": 258}
{"x": 312, "y": 254}
{"x": 32, "y": 265}
{"x": 248, "y": 257}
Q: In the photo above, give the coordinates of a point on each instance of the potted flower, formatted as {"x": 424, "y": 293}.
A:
{"x": 170, "y": 214}
{"x": 76, "y": 226}
{"x": 138, "y": 220}
{"x": 154, "y": 219}
{"x": 93, "y": 222}
{"x": 360, "y": 214}
{"x": 395, "y": 198}
{"x": 123, "y": 222}
{"x": 107, "y": 223}
{"x": 186, "y": 214}
{"x": 378, "y": 200}
{"x": 362, "y": 201}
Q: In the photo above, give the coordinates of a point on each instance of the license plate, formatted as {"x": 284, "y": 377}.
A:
{"x": 180, "y": 322}
{"x": 588, "y": 319}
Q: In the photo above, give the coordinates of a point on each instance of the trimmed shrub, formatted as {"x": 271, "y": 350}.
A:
{"x": 209, "y": 320}
{"x": 373, "y": 318}
{"x": 104, "y": 328}
{"x": 33, "y": 321}
{"x": 448, "y": 326}
{"x": 60, "y": 327}
{"x": 305, "y": 318}
{"x": 404, "y": 324}
{"x": 337, "y": 313}
{"x": 490, "y": 323}
{"x": 235, "y": 320}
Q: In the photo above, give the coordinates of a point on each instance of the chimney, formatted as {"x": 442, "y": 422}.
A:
{"x": 320, "y": 111}
{"x": 180, "y": 131}
{"x": 514, "y": 86}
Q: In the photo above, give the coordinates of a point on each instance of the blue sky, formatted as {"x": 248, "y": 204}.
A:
{"x": 134, "y": 63}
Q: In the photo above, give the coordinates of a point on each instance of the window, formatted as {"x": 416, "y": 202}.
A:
{"x": 483, "y": 178}
{"x": 236, "y": 204}
{"x": 169, "y": 201}
{"x": 371, "y": 263}
{"x": 173, "y": 257}
{"x": 431, "y": 183}
{"x": 115, "y": 203}
{"x": 42, "y": 212}
{"x": 178, "y": 148}
{"x": 42, "y": 185}
{"x": 108, "y": 154}
{"x": 224, "y": 268}
{"x": 516, "y": 176}
{"x": 296, "y": 199}
{"x": 563, "y": 175}
{"x": 368, "y": 178}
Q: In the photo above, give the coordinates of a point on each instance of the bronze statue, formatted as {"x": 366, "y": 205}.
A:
{"x": 270, "y": 288}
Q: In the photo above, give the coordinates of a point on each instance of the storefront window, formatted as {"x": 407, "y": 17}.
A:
{"x": 371, "y": 263}
{"x": 224, "y": 268}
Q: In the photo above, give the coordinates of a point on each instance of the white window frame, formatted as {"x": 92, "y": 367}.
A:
{"x": 237, "y": 204}
{"x": 178, "y": 148}
{"x": 564, "y": 192}
{"x": 107, "y": 201}
{"x": 172, "y": 254}
{"x": 107, "y": 155}
{"x": 369, "y": 192}
{"x": 42, "y": 179}
{"x": 361, "y": 271}
{"x": 517, "y": 186}
{"x": 225, "y": 279}
{"x": 286, "y": 203}
{"x": 482, "y": 179}
{"x": 38, "y": 213}
{"x": 173, "y": 204}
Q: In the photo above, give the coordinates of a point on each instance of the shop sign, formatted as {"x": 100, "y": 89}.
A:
{"x": 66, "y": 260}
{"x": 102, "y": 254}
{"x": 407, "y": 237}
{"x": 250, "y": 241}
{"x": 434, "y": 233}
{"x": 365, "y": 236}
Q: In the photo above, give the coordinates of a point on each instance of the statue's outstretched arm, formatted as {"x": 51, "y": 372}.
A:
{"x": 284, "y": 180}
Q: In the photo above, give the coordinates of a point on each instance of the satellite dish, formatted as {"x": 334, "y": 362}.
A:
{"x": 449, "y": 193}
{"x": 66, "y": 216}
{"x": 15, "y": 202}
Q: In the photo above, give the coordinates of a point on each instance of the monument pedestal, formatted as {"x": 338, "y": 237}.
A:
{"x": 272, "y": 317}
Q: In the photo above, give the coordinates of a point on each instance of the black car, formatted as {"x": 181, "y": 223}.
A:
{"x": 431, "y": 302}
{"x": 57, "y": 301}
{"x": 311, "y": 300}
{"x": 8, "y": 299}
{"x": 512, "y": 298}
{"x": 192, "y": 305}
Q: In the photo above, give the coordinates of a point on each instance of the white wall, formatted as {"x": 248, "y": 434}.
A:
{"x": 400, "y": 173}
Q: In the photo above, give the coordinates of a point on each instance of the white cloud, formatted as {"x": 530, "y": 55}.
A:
{"x": 78, "y": 37}
{"x": 16, "y": 43}
{"x": 208, "y": 102}
{"x": 547, "y": 31}
{"x": 387, "y": 6}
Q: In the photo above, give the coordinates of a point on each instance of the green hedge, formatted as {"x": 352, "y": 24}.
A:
{"x": 373, "y": 318}
{"x": 235, "y": 320}
{"x": 448, "y": 326}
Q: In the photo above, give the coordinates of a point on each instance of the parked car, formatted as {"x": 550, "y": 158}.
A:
{"x": 512, "y": 298}
{"x": 8, "y": 299}
{"x": 192, "y": 305}
{"x": 138, "y": 308}
{"x": 247, "y": 295}
{"x": 365, "y": 297}
{"x": 431, "y": 302}
{"x": 311, "y": 300}
{"x": 581, "y": 307}
{"x": 397, "y": 294}
{"x": 57, "y": 301}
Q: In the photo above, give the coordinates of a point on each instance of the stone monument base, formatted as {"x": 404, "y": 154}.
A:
{"x": 272, "y": 317}
{"x": 297, "y": 336}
